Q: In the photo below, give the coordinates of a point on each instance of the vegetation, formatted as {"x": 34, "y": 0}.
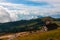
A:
{"x": 54, "y": 35}
{"x": 24, "y": 25}
{"x": 49, "y": 35}
{"x": 31, "y": 25}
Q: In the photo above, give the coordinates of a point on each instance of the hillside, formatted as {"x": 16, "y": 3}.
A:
{"x": 54, "y": 34}
{"x": 22, "y": 30}
{"x": 24, "y": 25}
{"x": 49, "y": 35}
{"x": 19, "y": 26}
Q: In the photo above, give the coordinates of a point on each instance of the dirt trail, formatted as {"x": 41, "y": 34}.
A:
{"x": 12, "y": 36}
{"x": 7, "y": 36}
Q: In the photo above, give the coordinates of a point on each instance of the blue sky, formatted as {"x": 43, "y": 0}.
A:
{"x": 29, "y": 7}
{"x": 30, "y": 3}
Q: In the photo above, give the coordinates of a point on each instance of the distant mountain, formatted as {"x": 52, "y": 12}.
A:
{"x": 28, "y": 17}
{"x": 54, "y": 15}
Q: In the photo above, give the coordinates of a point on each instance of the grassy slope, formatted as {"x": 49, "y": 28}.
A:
{"x": 54, "y": 34}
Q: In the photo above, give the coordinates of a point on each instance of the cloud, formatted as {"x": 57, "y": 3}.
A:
{"x": 13, "y": 11}
{"x": 49, "y": 1}
{"x": 4, "y": 16}
{"x": 52, "y": 2}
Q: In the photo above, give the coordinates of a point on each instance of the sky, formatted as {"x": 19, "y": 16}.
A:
{"x": 12, "y": 10}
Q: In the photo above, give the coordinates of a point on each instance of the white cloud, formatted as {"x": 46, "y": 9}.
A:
{"x": 13, "y": 10}
{"x": 45, "y": 0}
{"x": 4, "y": 16}
{"x": 52, "y": 2}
